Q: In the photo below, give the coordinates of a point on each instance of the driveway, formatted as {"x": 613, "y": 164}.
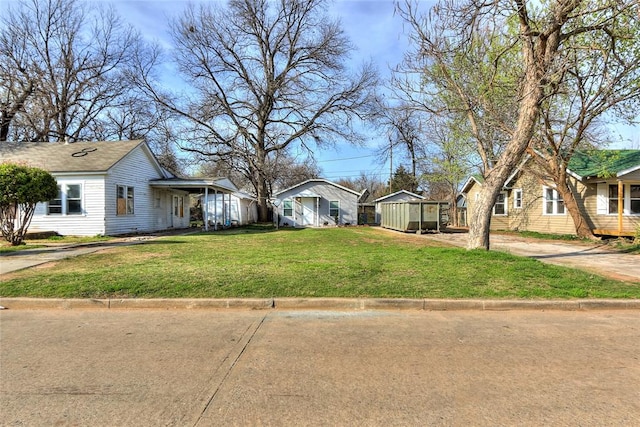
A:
{"x": 373, "y": 368}
{"x": 596, "y": 257}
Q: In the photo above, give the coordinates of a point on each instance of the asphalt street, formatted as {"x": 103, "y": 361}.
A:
{"x": 357, "y": 367}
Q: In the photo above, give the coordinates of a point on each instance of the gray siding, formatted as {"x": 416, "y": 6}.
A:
{"x": 348, "y": 211}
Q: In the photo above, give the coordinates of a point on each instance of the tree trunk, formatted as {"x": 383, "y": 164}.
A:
{"x": 582, "y": 227}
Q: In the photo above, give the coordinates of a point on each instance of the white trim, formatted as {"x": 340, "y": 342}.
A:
{"x": 516, "y": 199}
{"x": 64, "y": 205}
{"x": 414, "y": 195}
{"x": 318, "y": 180}
{"x": 555, "y": 200}
{"x": 505, "y": 203}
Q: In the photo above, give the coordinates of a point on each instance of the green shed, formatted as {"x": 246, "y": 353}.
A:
{"x": 415, "y": 215}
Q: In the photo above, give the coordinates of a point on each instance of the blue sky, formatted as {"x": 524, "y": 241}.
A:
{"x": 370, "y": 24}
{"x": 378, "y": 36}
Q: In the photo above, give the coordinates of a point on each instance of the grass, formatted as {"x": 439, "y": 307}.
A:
{"x": 340, "y": 262}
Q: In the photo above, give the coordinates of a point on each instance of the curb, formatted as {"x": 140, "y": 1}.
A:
{"x": 328, "y": 304}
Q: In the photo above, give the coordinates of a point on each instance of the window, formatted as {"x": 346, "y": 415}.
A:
{"x": 517, "y": 198}
{"x": 67, "y": 202}
{"x": 125, "y": 200}
{"x": 74, "y": 199}
{"x": 634, "y": 194}
{"x": 553, "y": 203}
{"x": 178, "y": 206}
{"x": 334, "y": 208}
{"x": 613, "y": 199}
{"x": 500, "y": 208}
{"x": 287, "y": 208}
{"x": 55, "y": 205}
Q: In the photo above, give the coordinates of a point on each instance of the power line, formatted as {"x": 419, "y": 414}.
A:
{"x": 346, "y": 158}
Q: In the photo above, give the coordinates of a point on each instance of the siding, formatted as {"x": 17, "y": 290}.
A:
{"x": 92, "y": 220}
{"x": 401, "y": 197}
{"x": 348, "y": 204}
{"x": 152, "y": 207}
{"x": 606, "y": 221}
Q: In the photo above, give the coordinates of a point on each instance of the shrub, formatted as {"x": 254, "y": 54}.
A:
{"x": 21, "y": 188}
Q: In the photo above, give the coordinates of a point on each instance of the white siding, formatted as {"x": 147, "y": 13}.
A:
{"x": 238, "y": 211}
{"x": 92, "y": 220}
{"x": 136, "y": 170}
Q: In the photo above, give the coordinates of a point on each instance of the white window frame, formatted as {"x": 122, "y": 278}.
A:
{"x": 129, "y": 202}
{"x": 555, "y": 200}
{"x": 64, "y": 200}
{"x": 517, "y": 198}
{"x": 285, "y": 208}
{"x": 629, "y": 199}
{"x": 505, "y": 202}
{"x": 336, "y": 208}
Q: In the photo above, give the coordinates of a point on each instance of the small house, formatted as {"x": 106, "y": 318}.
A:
{"x": 606, "y": 184}
{"x": 316, "y": 203}
{"x": 109, "y": 188}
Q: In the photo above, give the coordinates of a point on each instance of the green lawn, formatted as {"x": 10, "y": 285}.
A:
{"x": 336, "y": 262}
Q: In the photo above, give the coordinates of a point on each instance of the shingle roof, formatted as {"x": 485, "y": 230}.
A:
{"x": 603, "y": 163}
{"x": 71, "y": 157}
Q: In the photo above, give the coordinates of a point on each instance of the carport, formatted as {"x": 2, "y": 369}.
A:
{"x": 204, "y": 186}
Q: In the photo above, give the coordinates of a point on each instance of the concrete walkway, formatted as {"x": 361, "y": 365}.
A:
{"x": 318, "y": 368}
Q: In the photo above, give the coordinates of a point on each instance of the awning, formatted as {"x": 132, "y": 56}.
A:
{"x": 222, "y": 185}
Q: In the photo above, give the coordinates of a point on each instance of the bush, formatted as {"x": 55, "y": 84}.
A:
{"x": 21, "y": 188}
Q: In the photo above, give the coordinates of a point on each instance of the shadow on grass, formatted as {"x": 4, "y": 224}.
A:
{"x": 250, "y": 229}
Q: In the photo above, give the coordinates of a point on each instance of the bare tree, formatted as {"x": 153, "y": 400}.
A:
{"x": 61, "y": 66}
{"x": 542, "y": 41}
{"x": 264, "y": 75}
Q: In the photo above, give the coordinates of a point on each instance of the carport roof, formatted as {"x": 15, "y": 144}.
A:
{"x": 195, "y": 185}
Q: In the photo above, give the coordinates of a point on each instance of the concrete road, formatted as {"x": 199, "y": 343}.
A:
{"x": 208, "y": 367}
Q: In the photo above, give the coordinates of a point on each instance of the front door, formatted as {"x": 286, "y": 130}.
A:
{"x": 308, "y": 212}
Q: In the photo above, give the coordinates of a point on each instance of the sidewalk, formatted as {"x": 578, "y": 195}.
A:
{"x": 27, "y": 258}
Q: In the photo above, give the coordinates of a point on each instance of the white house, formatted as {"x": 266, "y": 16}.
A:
{"x": 237, "y": 208}
{"x": 398, "y": 196}
{"x": 108, "y": 188}
{"x": 317, "y": 203}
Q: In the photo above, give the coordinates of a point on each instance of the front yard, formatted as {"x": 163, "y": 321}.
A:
{"x": 342, "y": 262}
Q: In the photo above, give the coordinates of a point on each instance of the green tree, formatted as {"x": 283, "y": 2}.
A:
{"x": 21, "y": 188}
{"x": 402, "y": 179}
{"x": 468, "y": 48}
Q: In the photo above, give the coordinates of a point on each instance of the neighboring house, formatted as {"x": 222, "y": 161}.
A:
{"x": 398, "y": 196}
{"x": 232, "y": 209}
{"x": 606, "y": 184}
{"x": 317, "y": 203}
{"x": 108, "y": 188}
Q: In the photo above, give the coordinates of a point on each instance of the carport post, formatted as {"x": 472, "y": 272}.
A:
{"x": 205, "y": 208}
{"x": 215, "y": 210}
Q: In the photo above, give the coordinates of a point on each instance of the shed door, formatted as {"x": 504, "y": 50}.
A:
{"x": 308, "y": 214}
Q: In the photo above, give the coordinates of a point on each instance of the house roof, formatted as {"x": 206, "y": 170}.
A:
{"x": 409, "y": 193}
{"x": 602, "y": 163}
{"x": 473, "y": 179}
{"x": 320, "y": 181}
{"x": 69, "y": 157}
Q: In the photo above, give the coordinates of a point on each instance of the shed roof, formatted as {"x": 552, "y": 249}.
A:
{"x": 408, "y": 193}
{"x": 69, "y": 157}
{"x": 602, "y": 163}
